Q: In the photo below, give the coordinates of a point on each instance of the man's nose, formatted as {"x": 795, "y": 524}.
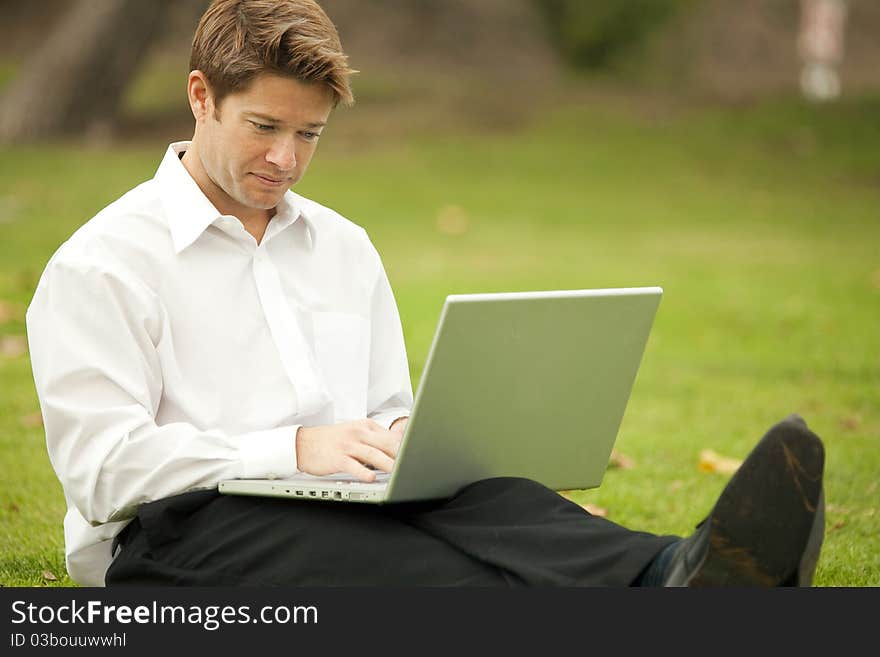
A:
{"x": 282, "y": 154}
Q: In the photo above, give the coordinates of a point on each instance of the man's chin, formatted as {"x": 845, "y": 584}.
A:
{"x": 262, "y": 201}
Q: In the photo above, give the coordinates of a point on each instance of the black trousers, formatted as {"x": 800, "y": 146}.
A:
{"x": 496, "y": 532}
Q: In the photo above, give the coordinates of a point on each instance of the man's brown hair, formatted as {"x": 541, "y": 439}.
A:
{"x": 237, "y": 40}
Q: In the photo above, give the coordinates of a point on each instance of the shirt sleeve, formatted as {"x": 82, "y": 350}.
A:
{"x": 93, "y": 331}
{"x": 389, "y": 395}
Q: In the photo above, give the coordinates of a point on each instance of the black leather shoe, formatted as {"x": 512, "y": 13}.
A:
{"x": 766, "y": 528}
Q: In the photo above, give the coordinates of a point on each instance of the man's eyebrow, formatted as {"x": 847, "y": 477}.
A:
{"x": 265, "y": 118}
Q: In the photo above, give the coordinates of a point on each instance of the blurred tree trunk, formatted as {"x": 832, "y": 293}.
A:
{"x": 74, "y": 82}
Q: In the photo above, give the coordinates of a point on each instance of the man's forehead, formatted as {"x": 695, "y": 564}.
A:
{"x": 280, "y": 99}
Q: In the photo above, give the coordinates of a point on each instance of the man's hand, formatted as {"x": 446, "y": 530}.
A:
{"x": 348, "y": 447}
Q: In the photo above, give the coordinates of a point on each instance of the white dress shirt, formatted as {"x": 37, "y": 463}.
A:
{"x": 170, "y": 351}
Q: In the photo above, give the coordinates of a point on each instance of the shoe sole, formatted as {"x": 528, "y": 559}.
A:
{"x": 768, "y": 524}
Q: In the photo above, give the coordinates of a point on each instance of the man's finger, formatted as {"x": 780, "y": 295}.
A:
{"x": 373, "y": 456}
{"x": 358, "y": 470}
{"x": 384, "y": 440}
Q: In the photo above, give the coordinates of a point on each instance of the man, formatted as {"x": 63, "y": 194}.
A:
{"x": 212, "y": 324}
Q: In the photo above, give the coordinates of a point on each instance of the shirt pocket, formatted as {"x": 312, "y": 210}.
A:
{"x": 342, "y": 352}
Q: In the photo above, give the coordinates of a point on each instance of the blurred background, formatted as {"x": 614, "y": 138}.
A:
{"x": 102, "y": 68}
{"x": 727, "y": 150}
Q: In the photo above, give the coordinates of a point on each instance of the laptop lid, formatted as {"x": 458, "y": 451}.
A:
{"x": 530, "y": 384}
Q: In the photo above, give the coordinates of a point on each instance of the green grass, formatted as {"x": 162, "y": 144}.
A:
{"x": 762, "y": 225}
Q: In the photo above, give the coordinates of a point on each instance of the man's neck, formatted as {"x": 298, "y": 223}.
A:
{"x": 256, "y": 227}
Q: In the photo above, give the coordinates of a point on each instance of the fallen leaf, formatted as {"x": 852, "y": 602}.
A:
{"x": 12, "y": 346}
{"x": 7, "y": 312}
{"x": 621, "y": 461}
{"x": 13, "y": 507}
{"x": 838, "y": 525}
{"x": 851, "y": 422}
{"x": 713, "y": 462}
{"x": 49, "y": 576}
{"x": 595, "y": 510}
{"x": 31, "y": 420}
{"x": 452, "y": 220}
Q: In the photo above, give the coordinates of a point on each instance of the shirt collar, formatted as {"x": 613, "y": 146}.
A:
{"x": 190, "y": 212}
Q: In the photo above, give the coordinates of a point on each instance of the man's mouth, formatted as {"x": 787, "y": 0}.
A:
{"x": 271, "y": 181}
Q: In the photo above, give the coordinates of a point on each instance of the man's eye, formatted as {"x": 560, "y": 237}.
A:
{"x": 311, "y": 136}
{"x": 263, "y": 127}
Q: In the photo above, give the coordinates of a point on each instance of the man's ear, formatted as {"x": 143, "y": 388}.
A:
{"x": 198, "y": 91}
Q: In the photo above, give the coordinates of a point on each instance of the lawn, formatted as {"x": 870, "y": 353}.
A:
{"x": 761, "y": 223}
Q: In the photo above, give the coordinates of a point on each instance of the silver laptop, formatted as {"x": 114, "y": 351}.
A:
{"x": 524, "y": 384}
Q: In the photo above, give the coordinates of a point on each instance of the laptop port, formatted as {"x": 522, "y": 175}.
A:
{"x": 313, "y": 493}
{"x": 299, "y": 493}
{"x": 337, "y": 495}
{"x": 325, "y": 493}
